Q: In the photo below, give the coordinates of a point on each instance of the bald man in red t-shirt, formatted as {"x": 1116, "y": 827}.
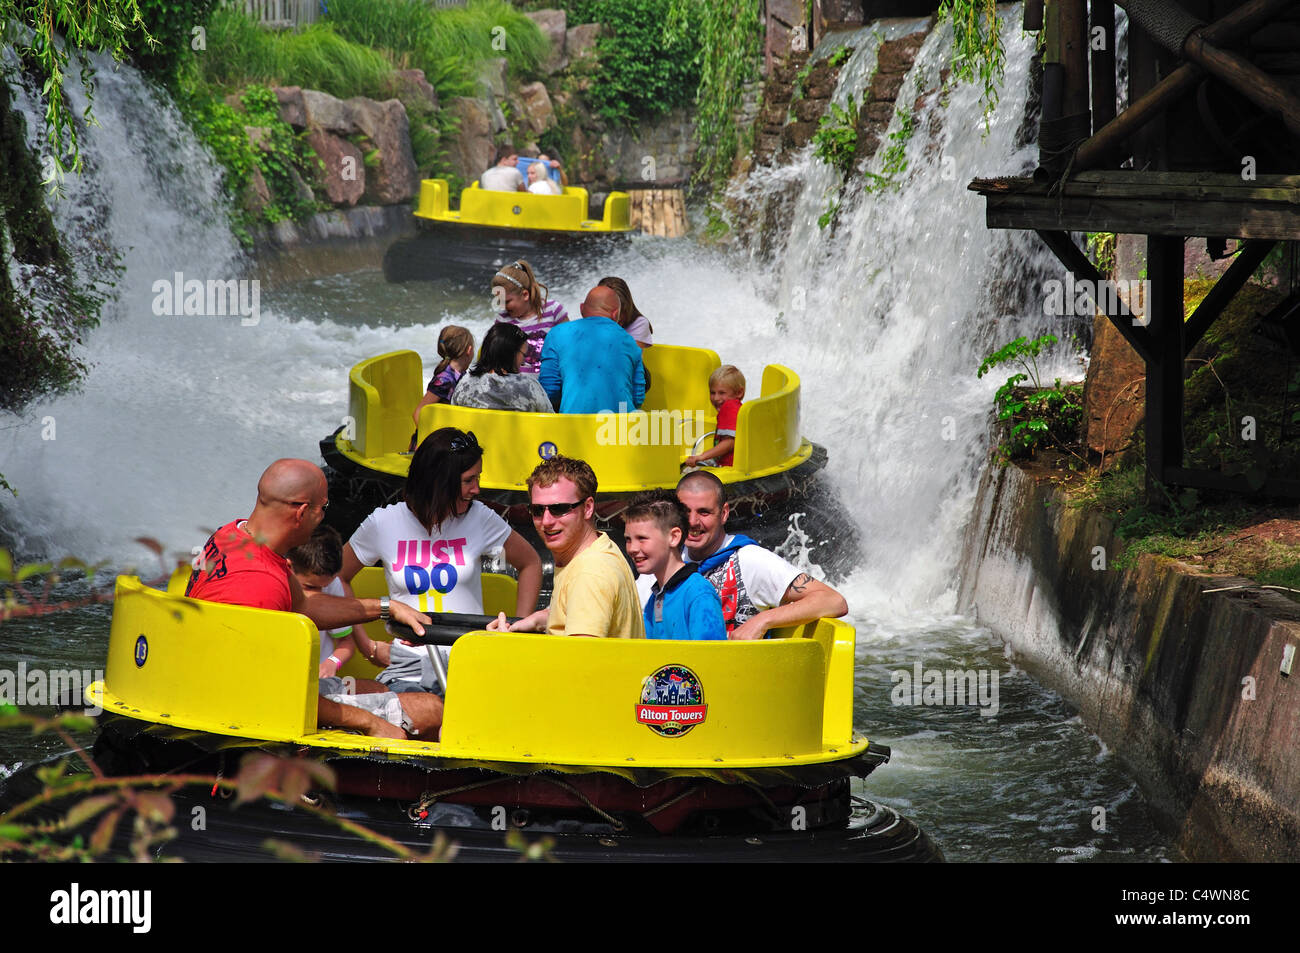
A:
{"x": 244, "y": 564}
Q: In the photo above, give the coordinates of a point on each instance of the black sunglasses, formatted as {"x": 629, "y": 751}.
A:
{"x": 535, "y": 510}
{"x": 466, "y": 441}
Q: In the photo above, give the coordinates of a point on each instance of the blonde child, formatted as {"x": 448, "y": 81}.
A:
{"x": 726, "y": 391}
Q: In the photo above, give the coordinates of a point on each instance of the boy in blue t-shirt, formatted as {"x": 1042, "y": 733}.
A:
{"x": 682, "y": 604}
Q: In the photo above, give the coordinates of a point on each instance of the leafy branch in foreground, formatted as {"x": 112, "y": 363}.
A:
{"x": 46, "y": 32}
{"x": 28, "y": 833}
{"x": 978, "y": 55}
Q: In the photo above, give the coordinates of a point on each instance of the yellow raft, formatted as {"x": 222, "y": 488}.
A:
{"x": 619, "y": 749}
{"x": 522, "y": 211}
{"x": 367, "y": 457}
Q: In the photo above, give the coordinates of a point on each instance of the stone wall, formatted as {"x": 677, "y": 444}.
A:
{"x": 1183, "y": 684}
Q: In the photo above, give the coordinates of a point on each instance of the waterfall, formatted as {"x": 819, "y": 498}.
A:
{"x": 889, "y": 313}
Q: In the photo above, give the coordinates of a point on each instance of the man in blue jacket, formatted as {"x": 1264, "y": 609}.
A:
{"x": 593, "y": 365}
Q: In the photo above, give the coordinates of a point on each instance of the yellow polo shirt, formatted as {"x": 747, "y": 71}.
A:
{"x": 596, "y": 595}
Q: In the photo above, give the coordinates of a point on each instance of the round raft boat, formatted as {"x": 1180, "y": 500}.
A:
{"x": 616, "y": 749}
{"x": 367, "y": 459}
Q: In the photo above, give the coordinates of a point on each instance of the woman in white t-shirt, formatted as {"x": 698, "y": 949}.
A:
{"x": 430, "y": 547}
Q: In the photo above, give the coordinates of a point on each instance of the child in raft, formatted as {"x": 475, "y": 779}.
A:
{"x": 456, "y": 348}
{"x": 726, "y": 392}
{"x": 682, "y": 604}
{"x": 316, "y": 564}
{"x": 522, "y": 299}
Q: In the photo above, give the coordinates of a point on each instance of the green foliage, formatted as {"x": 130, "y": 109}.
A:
{"x": 1101, "y": 249}
{"x": 978, "y": 55}
{"x": 448, "y": 43}
{"x": 171, "y": 23}
{"x": 840, "y": 57}
{"x": 282, "y": 156}
{"x": 894, "y": 159}
{"x": 828, "y": 216}
{"x": 1040, "y": 417}
{"x": 836, "y": 140}
{"x": 59, "y": 29}
{"x": 48, "y": 303}
{"x": 729, "y": 40}
{"x": 241, "y": 52}
{"x": 649, "y": 55}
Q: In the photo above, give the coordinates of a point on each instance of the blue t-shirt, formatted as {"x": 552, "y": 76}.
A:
{"x": 592, "y": 365}
{"x": 687, "y": 608}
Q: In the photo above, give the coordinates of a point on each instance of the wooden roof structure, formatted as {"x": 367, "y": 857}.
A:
{"x": 1208, "y": 147}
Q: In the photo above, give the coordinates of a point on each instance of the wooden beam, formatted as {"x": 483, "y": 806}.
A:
{"x": 1137, "y": 217}
{"x": 1237, "y": 25}
{"x": 1077, "y": 263}
{"x": 1224, "y": 290}
{"x": 1246, "y": 78}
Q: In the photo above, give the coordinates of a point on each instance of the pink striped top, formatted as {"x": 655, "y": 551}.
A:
{"x": 536, "y": 327}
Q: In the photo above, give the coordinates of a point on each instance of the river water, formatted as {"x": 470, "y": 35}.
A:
{"x": 885, "y": 319}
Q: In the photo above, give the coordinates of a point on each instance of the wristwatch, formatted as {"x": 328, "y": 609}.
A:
{"x": 383, "y": 608}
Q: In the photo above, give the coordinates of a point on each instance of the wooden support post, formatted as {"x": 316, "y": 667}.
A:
{"x": 1224, "y": 290}
{"x": 1074, "y": 57}
{"x": 1033, "y": 16}
{"x": 1164, "y": 397}
{"x": 1102, "y": 17}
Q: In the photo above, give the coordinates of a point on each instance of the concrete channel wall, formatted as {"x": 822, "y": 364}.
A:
{"x": 1184, "y": 686}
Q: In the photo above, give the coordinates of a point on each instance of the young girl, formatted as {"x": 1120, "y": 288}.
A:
{"x": 526, "y": 307}
{"x": 456, "y": 348}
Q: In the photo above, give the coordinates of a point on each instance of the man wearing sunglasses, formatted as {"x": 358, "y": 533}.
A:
{"x": 595, "y": 594}
{"x": 244, "y": 564}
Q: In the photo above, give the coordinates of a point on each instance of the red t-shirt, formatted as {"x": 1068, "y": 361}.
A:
{"x": 727, "y": 415}
{"x": 237, "y": 570}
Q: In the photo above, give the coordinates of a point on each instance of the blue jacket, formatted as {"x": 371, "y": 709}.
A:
{"x": 687, "y": 608}
{"x": 592, "y": 365}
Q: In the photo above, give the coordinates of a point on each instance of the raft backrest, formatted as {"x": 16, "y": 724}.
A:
{"x": 767, "y": 430}
{"x": 382, "y": 395}
{"x": 486, "y": 207}
{"x": 210, "y": 666}
{"x": 618, "y": 211}
{"x": 679, "y": 377}
{"x": 576, "y": 700}
{"x": 514, "y": 443}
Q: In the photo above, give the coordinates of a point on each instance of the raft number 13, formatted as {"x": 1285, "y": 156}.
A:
{"x": 141, "y": 651}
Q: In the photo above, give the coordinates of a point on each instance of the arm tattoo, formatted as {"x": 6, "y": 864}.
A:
{"x": 801, "y": 582}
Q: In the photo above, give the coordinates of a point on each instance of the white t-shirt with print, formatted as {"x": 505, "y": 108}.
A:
{"x": 432, "y": 572}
